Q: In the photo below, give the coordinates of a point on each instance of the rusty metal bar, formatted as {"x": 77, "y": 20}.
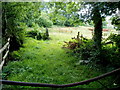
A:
{"x": 58, "y": 86}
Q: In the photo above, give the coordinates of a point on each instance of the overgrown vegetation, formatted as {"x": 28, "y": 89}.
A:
{"x": 110, "y": 53}
{"x": 47, "y": 62}
{"x": 84, "y": 49}
{"x": 42, "y": 57}
{"x": 29, "y": 15}
{"x": 38, "y": 34}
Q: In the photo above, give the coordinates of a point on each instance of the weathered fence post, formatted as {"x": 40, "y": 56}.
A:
{"x": 5, "y": 47}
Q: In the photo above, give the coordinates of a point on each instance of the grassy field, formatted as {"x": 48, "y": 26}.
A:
{"x": 47, "y": 62}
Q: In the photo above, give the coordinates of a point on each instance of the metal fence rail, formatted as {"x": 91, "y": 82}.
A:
{"x": 59, "y": 86}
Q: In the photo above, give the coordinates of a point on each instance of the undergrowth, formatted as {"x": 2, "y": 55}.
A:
{"x": 47, "y": 62}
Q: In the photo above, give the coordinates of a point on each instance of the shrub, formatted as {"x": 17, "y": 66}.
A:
{"x": 111, "y": 53}
{"x": 32, "y": 33}
{"x": 34, "y": 24}
{"x": 29, "y": 23}
{"x": 82, "y": 47}
{"x": 115, "y": 39}
{"x": 39, "y": 37}
{"x": 17, "y": 38}
{"x": 46, "y": 35}
{"x": 86, "y": 50}
{"x": 15, "y": 56}
{"x": 110, "y": 57}
{"x": 37, "y": 34}
{"x": 43, "y": 22}
{"x": 68, "y": 23}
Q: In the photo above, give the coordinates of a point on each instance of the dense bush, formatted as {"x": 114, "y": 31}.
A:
{"x": 115, "y": 39}
{"x": 112, "y": 51}
{"x": 84, "y": 50}
{"x": 13, "y": 16}
{"x": 68, "y": 23}
{"x": 38, "y": 34}
{"x": 110, "y": 57}
{"x": 59, "y": 23}
{"x": 82, "y": 47}
{"x": 45, "y": 35}
{"x": 17, "y": 38}
{"x": 31, "y": 24}
{"x": 34, "y": 34}
{"x": 43, "y": 22}
{"x": 15, "y": 56}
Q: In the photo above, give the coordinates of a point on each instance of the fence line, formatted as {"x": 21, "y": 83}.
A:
{"x": 59, "y": 86}
{"x": 6, "y": 46}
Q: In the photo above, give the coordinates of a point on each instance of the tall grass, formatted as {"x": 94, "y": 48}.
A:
{"x": 47, "y": 62}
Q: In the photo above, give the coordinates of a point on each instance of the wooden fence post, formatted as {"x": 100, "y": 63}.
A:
{"x": 5, "y": 47}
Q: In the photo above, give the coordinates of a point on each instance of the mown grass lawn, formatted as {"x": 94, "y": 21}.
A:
{"x": 47, "y": 62}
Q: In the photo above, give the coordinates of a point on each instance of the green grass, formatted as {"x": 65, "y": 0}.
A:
{"x": 47, "y": 62}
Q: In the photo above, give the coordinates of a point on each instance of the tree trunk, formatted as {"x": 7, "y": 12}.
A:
{"x": 97, "y": 19}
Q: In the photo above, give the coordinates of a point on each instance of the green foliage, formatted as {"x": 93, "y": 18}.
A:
{"x": 111, "y": 52}
{"x": 12, "y": 22}
{"x": 62, "y": 14}
{"x": 86, "y": 51}
{"x": 105, "y": 8}
{"x": 34, "y": 34}
{"x": 38, "y": 34}
{"x": 39, "y": 37}
{"x": 46, "y": 35}
{"x": 115, "y": 39}
{"x": 43, "y": 22}
{"x": 96, "y": 12}
{"x": 33, "y": 13}
{"x": 14, "y": 56}
{"x": 82, "y": 47}
{"x": 31, "y": 24}
{"x": 46, "y": 62}
{"x": 16, "y": 38}
{"x": 116, "y": 22}
{"x": 110, "y": 58}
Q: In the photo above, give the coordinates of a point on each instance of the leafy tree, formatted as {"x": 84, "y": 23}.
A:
{"x": 97, "y": 11}
{"x": 64, "y": 13}
{"x": 13, "y": 13}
